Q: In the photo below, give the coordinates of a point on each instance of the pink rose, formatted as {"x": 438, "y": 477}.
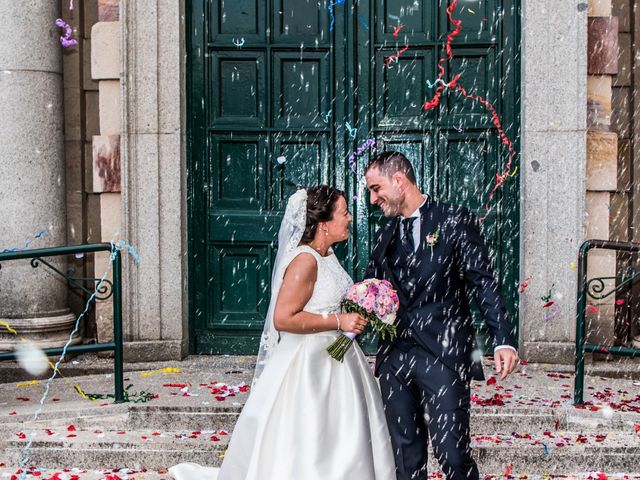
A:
{"x": 367, "y": 305}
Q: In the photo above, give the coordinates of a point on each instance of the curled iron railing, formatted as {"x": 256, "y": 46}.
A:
{"x": 586, "y": 289}
{"x": 105, "y": 289}
{"x": 596, "y": 286}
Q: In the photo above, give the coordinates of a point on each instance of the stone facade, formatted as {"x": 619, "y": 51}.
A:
{"x": 125, "y": 153}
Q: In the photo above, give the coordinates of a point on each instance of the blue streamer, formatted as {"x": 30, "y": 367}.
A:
{"x": 352, "y": 131}
{"x": 330, "y": 8}
{"x": 40, "y": 234}
{"x": 121, "y": 245}
{"x": 364, "y": 22}
{"x": 438, "y": 81}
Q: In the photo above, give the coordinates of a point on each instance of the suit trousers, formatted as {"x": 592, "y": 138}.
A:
{"x": 424, "y": 399}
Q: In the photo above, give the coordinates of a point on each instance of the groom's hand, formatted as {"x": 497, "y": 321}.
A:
{"x": 506, "y": 360}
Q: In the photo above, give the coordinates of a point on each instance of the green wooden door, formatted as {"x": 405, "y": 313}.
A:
{"x": 274, "y": 96}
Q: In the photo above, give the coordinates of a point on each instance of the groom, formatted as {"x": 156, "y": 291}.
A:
{"x": 433, "y": 254}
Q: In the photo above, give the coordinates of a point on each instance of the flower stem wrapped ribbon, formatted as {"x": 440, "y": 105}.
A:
{"x": 375, "y": 300}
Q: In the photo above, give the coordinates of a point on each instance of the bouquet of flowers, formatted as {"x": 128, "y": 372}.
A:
{"x": 375, "y": 300}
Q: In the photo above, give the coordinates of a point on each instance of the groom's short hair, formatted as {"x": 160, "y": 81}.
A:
{"x": 391, "y": 162}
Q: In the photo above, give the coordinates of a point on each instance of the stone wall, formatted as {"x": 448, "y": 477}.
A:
{"x": 105, "y": 146}
{"x": 81, "y": 123}
{"x": 602, "y": 158}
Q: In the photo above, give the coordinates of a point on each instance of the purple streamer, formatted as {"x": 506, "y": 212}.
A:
{"x": 65, "y": 40}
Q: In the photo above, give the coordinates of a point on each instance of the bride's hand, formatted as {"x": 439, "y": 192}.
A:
{"x": 353, "y": 322}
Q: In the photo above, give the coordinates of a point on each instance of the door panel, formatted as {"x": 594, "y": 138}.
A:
{"x": 272, "y": 96}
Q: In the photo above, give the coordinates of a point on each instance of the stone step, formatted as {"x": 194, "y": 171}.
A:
{"x": 104, "y": 422}
{"x": 98, "y": 449}
{"x": 193, "y": 418}
{"x": 551, "y": 453}
{"x": 484, "y": 420}
{"x": 127, "y": 473}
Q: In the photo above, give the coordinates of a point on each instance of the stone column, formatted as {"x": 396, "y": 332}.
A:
{"x": 553, "y": 171}
{"x": 32, "y": 171}
{"x": 154, "y": 178}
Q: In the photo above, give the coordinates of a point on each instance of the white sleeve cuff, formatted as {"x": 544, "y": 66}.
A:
{"x": 504, "y": 346}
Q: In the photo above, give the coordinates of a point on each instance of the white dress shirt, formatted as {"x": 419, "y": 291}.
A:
{"x": 416, "y": 243}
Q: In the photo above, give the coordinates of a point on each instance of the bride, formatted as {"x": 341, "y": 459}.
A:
{"x": 308, "y": 417}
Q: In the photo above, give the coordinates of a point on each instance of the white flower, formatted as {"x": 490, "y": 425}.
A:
{"x": 389, "y": 318}
{"x": 361, "y": 289}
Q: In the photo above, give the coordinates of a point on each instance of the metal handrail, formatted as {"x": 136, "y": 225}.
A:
{"x": 116, "y": 291}
{"x": 583, "y": 290}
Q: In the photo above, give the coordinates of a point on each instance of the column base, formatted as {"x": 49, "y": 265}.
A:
{"x": 43, "y": 332}
{"x": 548, "y": 352}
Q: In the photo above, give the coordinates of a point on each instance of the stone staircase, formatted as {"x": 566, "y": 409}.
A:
{"x": 532, "y": 441}
{"x": 524, "y": 427}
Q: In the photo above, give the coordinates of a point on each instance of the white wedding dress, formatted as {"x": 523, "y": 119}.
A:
{"x": 309, "y": 417}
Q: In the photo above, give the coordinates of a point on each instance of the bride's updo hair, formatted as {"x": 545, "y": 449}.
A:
{"x": 321, "y": 203}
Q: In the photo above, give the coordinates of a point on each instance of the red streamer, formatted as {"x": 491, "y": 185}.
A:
{"x": 435, "y": 101}
{"x": 394, "y": 58}
{"x": 396, "y": 30}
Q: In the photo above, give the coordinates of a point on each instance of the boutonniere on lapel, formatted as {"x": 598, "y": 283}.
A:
{"x": 432, "y": 239}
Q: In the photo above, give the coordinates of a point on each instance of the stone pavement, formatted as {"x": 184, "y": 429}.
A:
{"x": 524, "y": 427}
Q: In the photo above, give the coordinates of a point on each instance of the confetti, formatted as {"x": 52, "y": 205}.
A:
{"x": 27, "y": 384}
{"x": 65, "y": 40}
{"x": 281, "y": 160}
{"x": 525, "y": 284}
{"x": 139, "y": 397}
{"x": 364, "y": 22}
{"x": 238, "y": 43}
{"x": 160, "y": 370}
{"x": 8, "y": 327}
{"x": 573, "y": 266}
